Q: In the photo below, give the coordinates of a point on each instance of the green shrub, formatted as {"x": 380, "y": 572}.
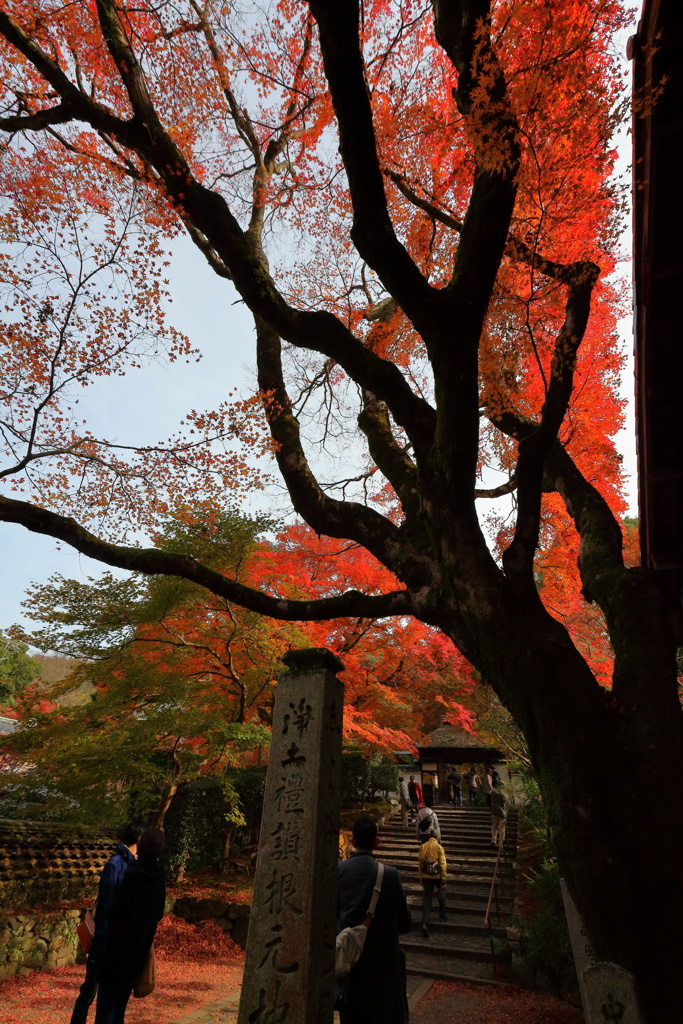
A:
{"x": 546, "y": 959}
{"x": 199, "y": 824}
{"x": 365, "y": 778}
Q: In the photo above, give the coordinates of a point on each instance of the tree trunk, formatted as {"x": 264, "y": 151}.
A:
{"x": 167, "y": 795}
{"x": 228, "y": 843}
{"x": 616, "y": 823}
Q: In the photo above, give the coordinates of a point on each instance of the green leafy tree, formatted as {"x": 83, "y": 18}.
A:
{"x": 17, "y": 669}
{"x": 180, "y": 684}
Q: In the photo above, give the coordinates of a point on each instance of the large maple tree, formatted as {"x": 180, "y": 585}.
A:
{"x": 414, "y": 203}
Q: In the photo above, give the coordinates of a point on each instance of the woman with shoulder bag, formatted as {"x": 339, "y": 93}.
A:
{"x": 134, "y": 914}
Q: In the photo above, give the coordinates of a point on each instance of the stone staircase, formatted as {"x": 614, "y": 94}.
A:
{"x": 461, "y": 948}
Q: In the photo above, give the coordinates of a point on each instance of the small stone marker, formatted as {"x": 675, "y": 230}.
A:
{"x": 289, "y": 970}
{"x": 607, "y": 991}
{"x": 611, "y": 995}
{"x": 581, "y": 947}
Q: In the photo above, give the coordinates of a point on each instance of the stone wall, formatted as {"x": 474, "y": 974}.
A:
{"x": 233, "y": 918}
{"x": 30, "y": 942}
{"x": 38, "y": 942}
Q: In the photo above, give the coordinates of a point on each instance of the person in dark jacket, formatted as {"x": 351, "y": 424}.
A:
{"x": 109, "y": 883}
{"x": 412, "y": 793}
{"x": 455, "y": 779}
{"x": 135, "y": 912}
{"x": 375, "y": 991}
{"x": 472, "y": 780}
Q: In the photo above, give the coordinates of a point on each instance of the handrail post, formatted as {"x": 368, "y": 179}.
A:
{"x": 493, "y": 889}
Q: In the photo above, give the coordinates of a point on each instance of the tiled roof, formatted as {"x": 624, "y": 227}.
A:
{"x": 45, "y": 852}
{"x": 7, "y": 725}
{"x": 448, "y": 736}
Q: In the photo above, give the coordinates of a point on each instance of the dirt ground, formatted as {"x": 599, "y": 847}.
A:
{"x": 479, "y": 1004}
{"x": 196, "y": 966}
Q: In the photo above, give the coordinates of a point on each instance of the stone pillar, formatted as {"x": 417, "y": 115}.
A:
{"x": 581, "y": 947}
{"x": 607, "y": 991}
{"x": 289, "y": 969}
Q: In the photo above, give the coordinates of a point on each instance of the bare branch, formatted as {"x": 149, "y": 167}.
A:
{"x": 155, "y": 562}
{"x": 497, "y": 492}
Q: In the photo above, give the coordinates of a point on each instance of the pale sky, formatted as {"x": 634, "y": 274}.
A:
{"x": 149, "y": 401}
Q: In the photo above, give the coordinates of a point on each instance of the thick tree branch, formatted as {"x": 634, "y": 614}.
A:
{"x": 322, "y": 513}
{"x": 463, "y": 31}
{"x": 81, "y": 106}
{"x": 390, "y": 458}
{"x": 129, "y": 69}
{"x": 533, "y": 449}
{"x": 155, "y": 562}
{"x": 497, "y": 492}
{"x": 601, "y": 538}
{"x": 372, "y": 231}
{"x": 40, "y": 119}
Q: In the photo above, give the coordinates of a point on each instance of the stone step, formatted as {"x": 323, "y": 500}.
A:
{"x": 457, "y": 924}
{"x": 475, "y": 895}
{"x": 480, "y": 876}
{"x": 505, "y": 882}
{"x": 477, "y": 854}
{"x": 463, "y": 916}
{"x": 408, "y": 832}
{"x": 471, "y": 820}
{"x": 407, "y": 839}
{"x": 460, "y": 848}
{"x": 445, "y": 968}
{"x": 459, "y": 947}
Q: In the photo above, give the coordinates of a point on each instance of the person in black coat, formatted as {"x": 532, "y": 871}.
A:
{"x": 136, "y": 909}
{"x": 375, "y": 992}
{"x": 110, "y": 879}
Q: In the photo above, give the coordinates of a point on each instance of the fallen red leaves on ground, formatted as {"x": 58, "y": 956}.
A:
{"x": 482, "y": 1004}
{"x": 177, "y": 938}
{"x": 197, "y": 965}
{"x": 237, "y": 890}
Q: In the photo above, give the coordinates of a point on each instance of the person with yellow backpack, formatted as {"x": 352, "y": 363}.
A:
{"x": 433, "y": 874}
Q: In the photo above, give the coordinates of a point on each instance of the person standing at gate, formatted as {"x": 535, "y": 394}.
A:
{"x": 487, "y": 784}
{"x": 472, "y": 780}
{"x": 405, "y": 802}
{"x": 498, "y": 816}
{"x": 455, "y": 780}
{"x": 433, "y": 873}
{"x": 412, "y": 792}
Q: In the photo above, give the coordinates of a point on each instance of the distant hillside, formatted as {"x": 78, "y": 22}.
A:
{"x": 54, "y": 668}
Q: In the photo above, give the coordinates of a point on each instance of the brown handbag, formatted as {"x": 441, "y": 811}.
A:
{"x": 86, "y": 931}
{"x": 148, "y": 977}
